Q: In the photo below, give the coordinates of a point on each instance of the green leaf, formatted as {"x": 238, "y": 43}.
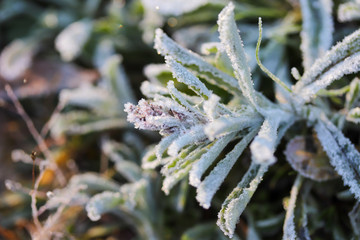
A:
{"x": 342, "y": 153}
{"x": 317, "y": 29}
{"x": 233, "y": 45}
{"x": 237, "y": 200}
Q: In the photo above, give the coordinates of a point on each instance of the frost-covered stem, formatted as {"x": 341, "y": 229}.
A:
{"x": 35, "y": 134}
{"x": 43, "y": 148}
{"x": 54, "y": 116}
{"x": 34, "y": 210}
{"x": 270, "y": 74}
{"x": 289, "y": 226}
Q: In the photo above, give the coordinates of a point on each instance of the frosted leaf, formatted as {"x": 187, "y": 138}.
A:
{"x": 80, "y": 122}
{"x": 353, "y": 96}
{"x": 289, "y": 223}
{"x": 150, "y": 90}
{"x": 180, "y": 98}
{"x": 72, "y": 39}
{"x": 94, "y": 182}
{"x": 263, "y": 146}
{"x": 209, "y": 186}
{"x": 228, "y": 124}
{"x": 233, "y": 45}
{"x": 88, "y": 96}
{"x": 317, "y": 29}
{"x": 177, "y": 169}
{"x": 354, "y": 115}
{"x": 183, "y": 75}
{"x": 210, "y": 47}
{"x": 116, "y": 79}
{"x": 199, "y": 167}
{"x": 102, "y": 203}
{"x": 342, "y": 153}
{"x": 172, "y": 164}
{"x": 154, "y": 71}
{"x": 104, "y": 50}
{"x": 164, "y": 144}
{"x": 124, "y": 199}
{"x": 71, "y": 195}
{"x": 16, "y": 58}
{"x": 167, "y": 47}
{"x": 235, "y": 203}
{"x": 349, "y": 11}
{"x": 129, "y": 170}
{"x": 342, "y": 59}
{"x": 195, "y": 134}
{"x": 347, "y": 66}
{"x": 306, "y": 156}
{"x": 149, "y": 160}
{"x": 295, "y": 73}
{"x": 177, "y": 7}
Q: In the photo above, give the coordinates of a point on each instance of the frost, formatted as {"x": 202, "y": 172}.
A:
{"x": 226, "y": 124}
{"x": 116, "y": 80}
{"x": 316, "y": 34}
{"x": 167, "y": 47}
{"x": 207, "y": 159}
{"x": 354, "y": 115}
{"x": 289, "y": 225}
{"x": 195, "y": 134}
{"x": 72, "y": 39}
{"x": 342, "y": 153}
{"x": 168, "y": 117}
{"x": 341, "y": 59}
{"x": 263, "y": 146}
{"x": 16, "y": 58}
{"x": 124, "y": 199}
{"x": 207, "y": 188}
{"x": 349, "y": 11}
{"x": 237, "y": 200}
{"x": 94, "y": 182}
{"x": 233, "y": 45}
{"x": 184, "y": 76}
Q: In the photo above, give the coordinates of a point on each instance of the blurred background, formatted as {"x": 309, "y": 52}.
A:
{"x": 73, "y": 64}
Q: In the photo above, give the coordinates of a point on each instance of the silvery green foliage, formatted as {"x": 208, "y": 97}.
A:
{"x": 16, "y": 58}
{"x": 72, "y": 39}
{"x": 197, "y": 124}
{"x": 98, "y": 106}
{"x": 349, "y": 10}
{"x": 316, "y": 34}
{"x": 342, "y": 153}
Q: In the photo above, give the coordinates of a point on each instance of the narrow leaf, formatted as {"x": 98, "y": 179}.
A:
{"x": 317, "y": 29}
{"x": 212, "y": 182}
{"x": 72, "y": 39}
{"x": 342, "y": 153}
{"x": 349, "y": 11}
{"x": 207, "y": 159}
{"x": 194, "y": 135}
{"x": 167, "y": 47}
{"x": 186, "y": 77}
{"x": 233, "y": 45}
{"x": 342, "y": 59}
{"x": 354, "y": 115}
{"x": 263, "y": 146}
{"x": 237, "y": 200}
